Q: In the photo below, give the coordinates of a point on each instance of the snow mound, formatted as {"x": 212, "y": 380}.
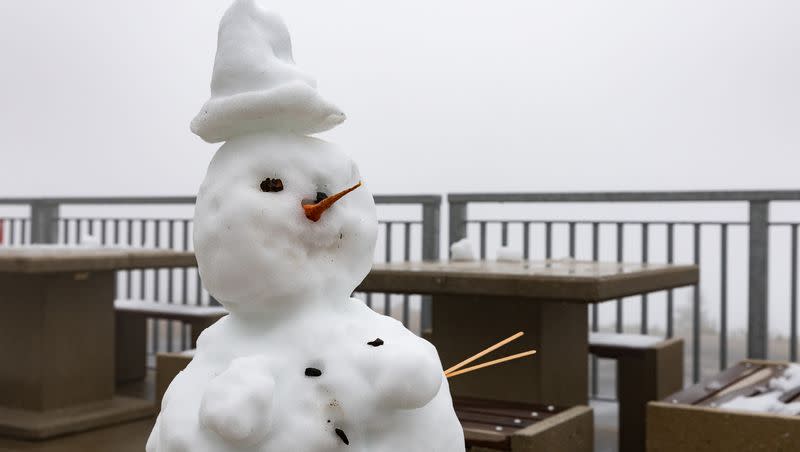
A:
{"x": 508, "y": 254}
{"x": 788, "y": 381}
{"x": 462, "y": 251}
{"x": 770, "y": 402}
{"x": 764, "y": 403}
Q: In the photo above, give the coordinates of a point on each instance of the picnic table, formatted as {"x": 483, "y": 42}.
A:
{"x": 57, "y": 337}
{"x": 477, "y": 303}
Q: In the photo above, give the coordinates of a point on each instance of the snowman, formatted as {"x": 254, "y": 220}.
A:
{"x": 284, "y": 232}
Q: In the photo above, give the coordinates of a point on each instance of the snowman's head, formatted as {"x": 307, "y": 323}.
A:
{"x": 259, "y": 241}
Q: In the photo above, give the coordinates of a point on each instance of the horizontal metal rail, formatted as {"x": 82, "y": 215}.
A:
{"x": 613, "y": 222}
{"x": 646, "y": 196}
{"x": 176, "y": 200}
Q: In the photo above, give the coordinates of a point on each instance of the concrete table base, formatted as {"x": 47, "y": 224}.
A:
{"x": 556, "y": 374}
{"x": 57, "y": 347}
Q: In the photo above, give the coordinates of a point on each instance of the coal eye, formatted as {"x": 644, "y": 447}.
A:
{"x": 320, "y": 197}
{"x": 271, "y": 185}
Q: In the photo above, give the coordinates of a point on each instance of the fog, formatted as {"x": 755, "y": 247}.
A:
{"x": 444, "y": 96}
{"x": 440, "y": 96}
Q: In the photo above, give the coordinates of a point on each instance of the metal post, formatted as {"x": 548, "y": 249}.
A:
{"x": 696, "y": 311}
{"x": 44, "y": 221}
{"x": 757, "y": 339}
{"x": 431, "y": 241}
{"x": 430, "y": 230}
{"x": 793, "y": 299}
{"x": 457, "y": 222}
{"x": 723, "y": 298}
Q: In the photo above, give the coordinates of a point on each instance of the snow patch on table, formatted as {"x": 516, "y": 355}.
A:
{"x": 508, "y": 254}
{"x": 462, "y": 251}
{"x": 623, "y": 340}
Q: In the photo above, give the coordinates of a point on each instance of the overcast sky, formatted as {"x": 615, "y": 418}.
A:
{"x": 440, "y": 95}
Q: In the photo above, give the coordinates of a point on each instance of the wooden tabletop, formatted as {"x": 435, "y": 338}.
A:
{"x": 51, "y": 259}
{"x": 568, "y": 280}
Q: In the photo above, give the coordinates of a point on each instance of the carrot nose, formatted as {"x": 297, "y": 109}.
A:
{"x": 314, "y": 211}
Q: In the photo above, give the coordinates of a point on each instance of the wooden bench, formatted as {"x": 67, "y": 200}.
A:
{"x": 131, "y": 330}
{"x": 492, "y": 425}
{"x": 648, "y": 368}
{"x": 489, "y": 426}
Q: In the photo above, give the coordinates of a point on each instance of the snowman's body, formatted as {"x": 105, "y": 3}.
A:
{"x": 360, "y": 390}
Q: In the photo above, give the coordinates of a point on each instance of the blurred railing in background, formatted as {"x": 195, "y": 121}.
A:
{"x": 722, "y": 248}
{"x": 538, "y": 234}
{"x": 415, "y": 236}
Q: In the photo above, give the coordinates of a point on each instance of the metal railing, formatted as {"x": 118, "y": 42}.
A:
{"x": 758, "y": 229}
{"x": 418, "y": 238}
{"x": 15, "y": 230}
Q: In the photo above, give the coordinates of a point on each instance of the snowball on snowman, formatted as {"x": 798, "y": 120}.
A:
{"x": 284, "y": 231}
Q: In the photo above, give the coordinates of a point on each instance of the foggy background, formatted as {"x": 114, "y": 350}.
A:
{"x": 441, "y": 96}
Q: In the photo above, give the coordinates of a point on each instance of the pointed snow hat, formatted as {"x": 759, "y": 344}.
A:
{"x": 256, "y": 85}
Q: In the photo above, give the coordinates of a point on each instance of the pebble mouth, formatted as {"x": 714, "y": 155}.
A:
{"x": 340, "y": 433}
